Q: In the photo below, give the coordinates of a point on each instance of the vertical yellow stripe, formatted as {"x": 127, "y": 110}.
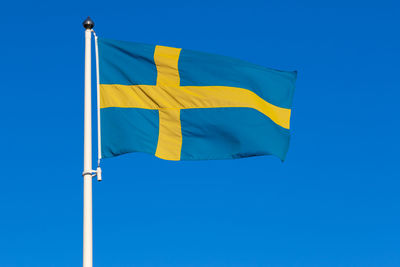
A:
{"x": 166, "y": 59}
{"x": 170, "y": 134}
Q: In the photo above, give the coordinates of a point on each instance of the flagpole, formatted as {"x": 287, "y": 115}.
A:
{"x": 88, "y": 24}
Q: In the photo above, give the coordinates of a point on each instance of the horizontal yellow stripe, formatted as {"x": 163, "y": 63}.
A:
{"x": 184, "y": 97}
{"x": 170, "y": 135}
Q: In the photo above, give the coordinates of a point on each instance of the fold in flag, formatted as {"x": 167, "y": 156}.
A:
{"x": 184, "y": 105}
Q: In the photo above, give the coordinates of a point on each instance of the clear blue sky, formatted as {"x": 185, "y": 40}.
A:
{"x": 334, "y": 202}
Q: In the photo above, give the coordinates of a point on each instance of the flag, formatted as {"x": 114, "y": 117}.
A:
{"x": 179, "y": 104}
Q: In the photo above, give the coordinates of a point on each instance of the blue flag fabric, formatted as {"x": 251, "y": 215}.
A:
{"x": 179, "y": 104}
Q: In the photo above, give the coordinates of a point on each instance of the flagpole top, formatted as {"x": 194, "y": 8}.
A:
{"x": 88, "y": 23}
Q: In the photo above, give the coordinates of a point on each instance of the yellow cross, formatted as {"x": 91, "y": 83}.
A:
{"x": 168, "y": 97}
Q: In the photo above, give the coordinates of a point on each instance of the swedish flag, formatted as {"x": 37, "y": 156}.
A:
{"x": 183, "y": 105}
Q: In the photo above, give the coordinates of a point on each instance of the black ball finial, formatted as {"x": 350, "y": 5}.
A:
{"x": 88, "y": 23}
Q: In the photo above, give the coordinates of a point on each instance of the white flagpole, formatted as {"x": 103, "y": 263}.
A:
{"x": 88, "y": 24}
